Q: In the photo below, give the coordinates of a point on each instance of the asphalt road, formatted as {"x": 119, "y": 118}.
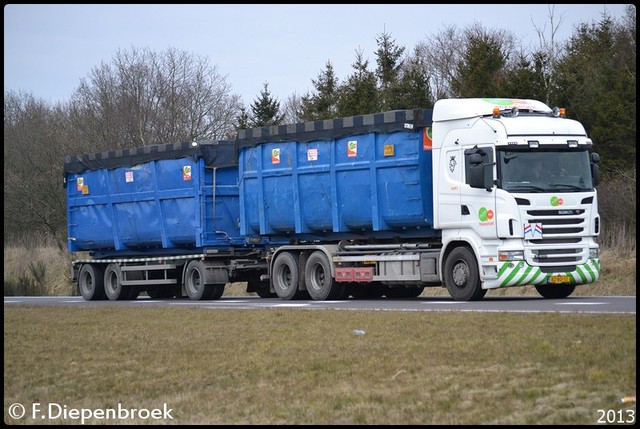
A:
{"x": 519, "y": 304}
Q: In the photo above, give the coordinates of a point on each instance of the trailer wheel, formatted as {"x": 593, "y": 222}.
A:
{"x": 113, "y": 285}
{"x": 286, "y": 274}
{"x": 91, "y": 282}
{"x": 555, "y": 291}
{"x": 195, "y": 283}
{"x": 461, "y": 275}
{"x": 320, "y": 284}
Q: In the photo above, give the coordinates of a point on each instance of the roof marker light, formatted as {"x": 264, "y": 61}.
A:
{"x": 496, "y": 112}
{"x": 533, "y": 143}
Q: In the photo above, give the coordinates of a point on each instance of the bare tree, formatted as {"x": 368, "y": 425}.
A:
{"x": 549, "y": 50}
{"x": 292, "y": 109}
{"x": 143, "y": 97}
{"x": 34, "y": 200}
{"x": 439, "y": 56}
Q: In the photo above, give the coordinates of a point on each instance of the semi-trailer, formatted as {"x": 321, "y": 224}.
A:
{"x": 367, "y": 206}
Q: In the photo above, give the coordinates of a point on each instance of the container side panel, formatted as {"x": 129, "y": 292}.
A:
{"x": 89, "y": 215}
{"x": 365, "y": 185}
{"x": 160, "y": 204}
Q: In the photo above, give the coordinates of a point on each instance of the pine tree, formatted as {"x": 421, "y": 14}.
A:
{"x": 359, "y": 94}
{"x": 322, "y": 103}
{"x": 266, "y": 109}
{"x": 243, "y": 120}
{"x": 389, "y": 64}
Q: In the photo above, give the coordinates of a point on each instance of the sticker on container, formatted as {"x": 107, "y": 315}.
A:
{"x": 79, "y": 183}
{"x": 389, "y": 150}
{"x": 85, "y": 190}
{"x": 352, "y": 148}
{"x": 533, "y": 231}
{"x": 275, "y": 156}
{"x": 186, "y": 172}
{"x": 426, "y": 140}
{"x": 128, "y": 176}
{"x": 312, "y": 154}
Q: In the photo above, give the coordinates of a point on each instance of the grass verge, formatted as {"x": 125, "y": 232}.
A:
{"x": 292, "y": 366}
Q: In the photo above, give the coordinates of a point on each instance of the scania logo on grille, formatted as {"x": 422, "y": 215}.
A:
{"x": 565, "y": 212}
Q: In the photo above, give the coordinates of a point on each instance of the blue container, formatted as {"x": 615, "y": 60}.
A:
{"x": 360, "y": 177}
{"x": 158, "y": 199}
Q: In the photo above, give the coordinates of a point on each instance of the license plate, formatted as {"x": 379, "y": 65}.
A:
{"x": 559, "y": 279}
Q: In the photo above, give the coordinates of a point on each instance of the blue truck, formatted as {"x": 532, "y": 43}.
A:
{"x": 366, "y": 206}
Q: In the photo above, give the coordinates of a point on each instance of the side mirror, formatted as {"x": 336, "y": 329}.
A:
{"x": 476, "y": 171}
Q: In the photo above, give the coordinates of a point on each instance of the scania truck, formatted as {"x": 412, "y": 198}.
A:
{"x": 472, "y": 195}
{"x": 393, "y": 202}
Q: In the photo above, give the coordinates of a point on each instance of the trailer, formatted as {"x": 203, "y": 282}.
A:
{"x": 161, "y": 219}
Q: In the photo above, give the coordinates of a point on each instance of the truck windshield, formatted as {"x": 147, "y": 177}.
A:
{"x": 548, "y": 171}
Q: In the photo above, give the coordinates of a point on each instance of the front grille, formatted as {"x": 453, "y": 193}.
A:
{"x": 562, "y": 233}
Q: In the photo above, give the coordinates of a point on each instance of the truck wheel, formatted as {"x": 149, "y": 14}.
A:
{"x": 113, "y": 284}
{"x": 320, "y": 284}
{"x": 195, "y": 285}
{"x": 461, "y": 276}
{"x": 555, "y": 291}
{"x": 286, "y": 276}
{"x": 91, "y": 282}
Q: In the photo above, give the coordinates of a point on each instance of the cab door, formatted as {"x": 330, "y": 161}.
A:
{"x": 478, "y": 193}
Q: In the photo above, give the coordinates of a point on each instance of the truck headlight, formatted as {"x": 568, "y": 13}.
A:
{"x": 511, "y": 255}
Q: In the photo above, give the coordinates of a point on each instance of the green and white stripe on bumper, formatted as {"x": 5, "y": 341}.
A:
{"x": 519, "y": 273}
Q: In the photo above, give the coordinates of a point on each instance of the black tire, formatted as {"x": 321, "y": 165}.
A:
{"x": 551, "y": 291}
{"x": 286, "y": 275}
{"x": 320, "y": 285}
{"x": 195, "y": 283}
{"x": 217, "y": 291}
{"x": 113, "y": 284}
{"x": 91, "y": 282}
{"x": 461, "y": 275}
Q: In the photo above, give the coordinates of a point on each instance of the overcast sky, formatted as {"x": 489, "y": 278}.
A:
{"x": 48, "y": 49}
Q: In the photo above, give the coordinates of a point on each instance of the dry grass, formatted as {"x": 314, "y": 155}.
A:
{"x": 275, "y": 366}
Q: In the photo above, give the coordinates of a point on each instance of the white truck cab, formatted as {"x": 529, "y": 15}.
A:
{"x": 514, "y": 196}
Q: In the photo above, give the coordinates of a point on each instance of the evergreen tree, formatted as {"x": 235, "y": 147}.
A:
{"x": 266, "y": 109}
{"x": 321, "y": 104}
{"x": 597, "y": 84}
{"x": 412, "y": 90}
{"x": 526, "y": 80}
{"x": 480, "y": 72}
{"x": 389, "y": 64}
{"x": 243, "y": 120}
{"x": 359, "y": 94}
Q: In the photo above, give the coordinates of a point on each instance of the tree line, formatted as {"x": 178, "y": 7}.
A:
{"x": 142, "y": 97}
